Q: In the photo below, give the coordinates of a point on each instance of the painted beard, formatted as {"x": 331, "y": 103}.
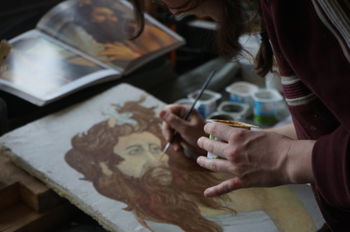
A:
{"x": 158, "y": 176}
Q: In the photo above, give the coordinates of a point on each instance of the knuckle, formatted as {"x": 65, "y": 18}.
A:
{"x": 238, "y": 171}
{"x": 228, "y": 187}
{"x": 237, "y": 135}
{"x": 186, "y": 129}
{"x": 213, "y": 166}
{"x": 210, "y": 146}
{"x": 208, "y": 128}
{"x": 213, "y": 128}
{"x": 168, "y": 116}
{"x": 232, "y": 137}
{"x": 169, "y": 108}
{"x": 231, "y": 153}
{"x": 231, "y": 184}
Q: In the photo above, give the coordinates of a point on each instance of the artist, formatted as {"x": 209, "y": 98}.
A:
{"x": 310, "y": 42}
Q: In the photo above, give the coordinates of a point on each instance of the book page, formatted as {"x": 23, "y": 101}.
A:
{"x": 39, "y": 70}
{"x": 109, "y": 163}
{"x": 102, "y": 28}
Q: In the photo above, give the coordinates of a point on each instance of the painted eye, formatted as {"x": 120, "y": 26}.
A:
{"x": 154, "y": 149}
{"x": 135, "y": 150}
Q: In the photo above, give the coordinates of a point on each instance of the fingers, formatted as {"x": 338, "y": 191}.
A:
{"x": 171, "y": 123}
{"x": 255, "y": 179}
{"x": 223, "y": 131}
{"x": 176, "y": 109}
{"x": 216, "y": 165}
{"x": 216, "y": 147}
{"x": 172, "y": 117}
{"x": 169, "y": 115}
{"x": 224, "y": 187}
{"x": 167, "y": 131}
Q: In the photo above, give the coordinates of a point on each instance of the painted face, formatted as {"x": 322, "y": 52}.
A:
{"x": 140, "y": 151}
{"x": 103, "y": 14}
{"x": 209, "y": 8}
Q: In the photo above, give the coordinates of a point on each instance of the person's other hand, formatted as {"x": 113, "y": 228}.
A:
{"x": 188, "y": 130}
{"x": 255, "y": 158}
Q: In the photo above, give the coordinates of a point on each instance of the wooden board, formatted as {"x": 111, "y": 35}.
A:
{"x": 17, "y": 185}
{"x": 20, "y": 218}
{"x": 26, "y": 204}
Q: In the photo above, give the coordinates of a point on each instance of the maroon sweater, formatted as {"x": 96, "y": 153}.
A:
{"x": 310, "y": 40}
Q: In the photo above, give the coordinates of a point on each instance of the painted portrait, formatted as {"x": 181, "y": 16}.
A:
{"x": 124, "y": 162}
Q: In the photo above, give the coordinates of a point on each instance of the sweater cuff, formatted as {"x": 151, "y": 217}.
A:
{"x": 331, "y": 167}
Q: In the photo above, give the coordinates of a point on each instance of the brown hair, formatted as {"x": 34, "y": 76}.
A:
{"x": 147, "y": 197}
{"x": 236, "y": 21}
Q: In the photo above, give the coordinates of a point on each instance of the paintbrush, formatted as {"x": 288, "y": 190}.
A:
{"x": 188, "y": 113}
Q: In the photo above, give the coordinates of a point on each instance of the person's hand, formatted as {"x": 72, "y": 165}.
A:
{"x": 188, "y": 131}
{"x": 255, "y": 158}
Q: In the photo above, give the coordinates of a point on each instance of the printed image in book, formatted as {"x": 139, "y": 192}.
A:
{"x": 40, "y": 70}
{"x": 109, "y": 163}
{"x": 80, "y": 43}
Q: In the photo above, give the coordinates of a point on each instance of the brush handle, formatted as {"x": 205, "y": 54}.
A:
{"x": 188, "y": 113}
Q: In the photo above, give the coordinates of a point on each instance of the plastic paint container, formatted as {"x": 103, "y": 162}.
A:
{"x": 266, "y": 105}
{"x": 220, "y": 116}
{"x": 241, "y": 92}
{"x": 207, "y": 103}
{"x": 210, "y": 155}
{"x": 229, "y": 123}
{"x": 184, "y": 101}
{"x": 238, "y": 111}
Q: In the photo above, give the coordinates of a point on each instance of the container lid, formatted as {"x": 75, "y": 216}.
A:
{"x": 184, "y": 101}
{"x": 233, "y": 123}
{"x": 242, "y": 88}
{"x": 207, "y": 96}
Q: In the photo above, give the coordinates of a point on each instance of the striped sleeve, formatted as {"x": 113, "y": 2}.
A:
{"x": 335, "y": 15}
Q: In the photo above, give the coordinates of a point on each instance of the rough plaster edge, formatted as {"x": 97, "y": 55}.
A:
{"x": 60, "y": 190}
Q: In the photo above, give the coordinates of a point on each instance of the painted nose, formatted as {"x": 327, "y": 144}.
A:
{"x": 150, "y": 156}
{"x": 162, "y": 157}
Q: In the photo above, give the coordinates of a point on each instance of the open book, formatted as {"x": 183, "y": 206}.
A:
{"x": 105, "y": 156}
{"x": 80, "y": 43}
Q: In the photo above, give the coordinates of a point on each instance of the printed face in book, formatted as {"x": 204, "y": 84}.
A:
{"x": 103, "y": 14}
{"x": 101, "y": 21}
{"x": 140, "y": 152}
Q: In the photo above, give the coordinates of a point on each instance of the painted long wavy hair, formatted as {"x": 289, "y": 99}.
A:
{"x": 148, "y": 197}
